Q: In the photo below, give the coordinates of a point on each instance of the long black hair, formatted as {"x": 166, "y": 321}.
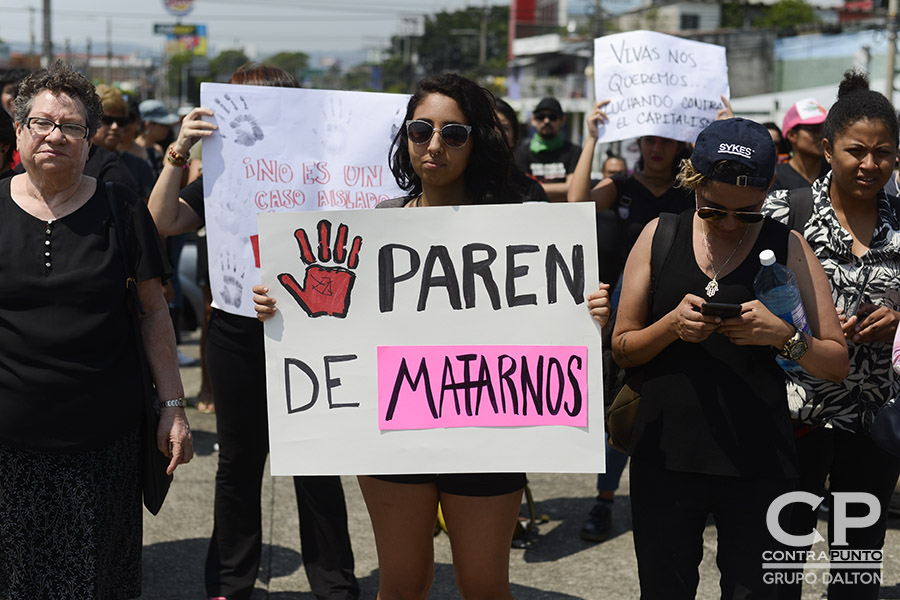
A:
{"x": 856, "y": 102}
{"x": 489, "y": 170}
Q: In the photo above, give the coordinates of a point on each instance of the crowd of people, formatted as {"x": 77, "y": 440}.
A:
{"x": 722, "y": 430}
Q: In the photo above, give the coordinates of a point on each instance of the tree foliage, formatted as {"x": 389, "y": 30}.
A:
{"x": 294, "y": 63}
{"x": 451, "y": 43}
{"x": 786, "y": 14}
{"x": 223, "y": 65}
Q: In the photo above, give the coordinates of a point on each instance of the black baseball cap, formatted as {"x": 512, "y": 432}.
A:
{"x": 549, "y": 104}
{"x": 737, "y": 140}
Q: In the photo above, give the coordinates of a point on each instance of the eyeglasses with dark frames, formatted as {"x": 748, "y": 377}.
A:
{"x": 42, "y": 126}
{"x": 455, "y": 135}
{"x": 546, "y": 116}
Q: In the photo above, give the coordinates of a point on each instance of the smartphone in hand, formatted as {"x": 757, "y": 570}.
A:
{"x": 720, "y": 309}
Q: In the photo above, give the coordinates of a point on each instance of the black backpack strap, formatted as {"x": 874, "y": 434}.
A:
{"x": 663, "y": 238}
{"x": 800, "y": 206}
{"x": 130, "y": 282}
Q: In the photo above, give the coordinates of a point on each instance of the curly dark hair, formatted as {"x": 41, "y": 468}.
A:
{"x": 489, "y": 170}
{"x": 60, "y": 78}
{"x": 856, "y": 102}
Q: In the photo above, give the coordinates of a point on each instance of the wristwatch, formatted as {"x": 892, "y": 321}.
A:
{"x": 174, "y": 403}
{"x": 796, "y": 347}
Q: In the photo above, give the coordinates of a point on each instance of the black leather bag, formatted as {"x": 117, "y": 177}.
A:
{"x": 155, "y": 481}
{"x": 622, "y": 413}
{"x": 885, "y": 429}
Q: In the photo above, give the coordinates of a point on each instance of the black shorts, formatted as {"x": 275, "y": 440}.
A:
{"x": 465, "y": 484}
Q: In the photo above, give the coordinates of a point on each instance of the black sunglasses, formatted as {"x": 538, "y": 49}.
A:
{"x": 455, "y": 135}
{"x": 708, "y": 213}
{"x": 120, "y": 121}
{"x": 546, "y": 116}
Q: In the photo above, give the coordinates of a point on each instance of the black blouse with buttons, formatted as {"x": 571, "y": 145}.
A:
{"x": 69, "y": 375}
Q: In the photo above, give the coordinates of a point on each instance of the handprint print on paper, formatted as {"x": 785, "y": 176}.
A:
{"x": 232, "y": 290}
{"x": 243, "y": 124}
{"x": 335, "y": 129}
{"x": 326, "y": 289}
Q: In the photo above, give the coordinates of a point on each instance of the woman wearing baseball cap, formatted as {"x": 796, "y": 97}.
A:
{"x": 802, "y": 128}
{"x": 713, "y": 434}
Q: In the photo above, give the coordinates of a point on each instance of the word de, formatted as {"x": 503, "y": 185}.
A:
{"x": 476, "y": 260}
{"x": 294, "y": 367}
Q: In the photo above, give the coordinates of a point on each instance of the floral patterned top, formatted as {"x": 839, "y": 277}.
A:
{"x": 852, "y": 404}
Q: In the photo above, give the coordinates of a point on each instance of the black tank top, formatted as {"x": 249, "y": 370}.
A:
{"x": 715, "y": 407}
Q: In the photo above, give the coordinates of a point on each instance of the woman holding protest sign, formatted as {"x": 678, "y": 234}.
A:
{"x": 854, "y": 229}
{"x": 449, "y": 152}
{"x": 236, "y": 361}
{"x": 713, "y": 435}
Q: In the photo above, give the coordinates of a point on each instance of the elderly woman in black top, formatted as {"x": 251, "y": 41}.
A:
{"x": 713, "y": 433}
{"x": 70, "y": 390}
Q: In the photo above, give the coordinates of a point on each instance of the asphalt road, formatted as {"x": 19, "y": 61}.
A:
{"x": 560, "y": 566}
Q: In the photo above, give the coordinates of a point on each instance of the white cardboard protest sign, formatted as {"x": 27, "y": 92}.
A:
{"x": 283, "y": 150}
{"x": 658, "y": 84}
{"x": 446, "y": 339}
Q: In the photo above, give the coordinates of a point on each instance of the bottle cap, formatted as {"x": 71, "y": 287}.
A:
{"x": 767, "y": 258}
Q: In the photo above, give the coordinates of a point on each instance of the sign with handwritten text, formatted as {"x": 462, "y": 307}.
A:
{"x": 446, "y": 339}
{"x": 658, "y": 84}
{"x": 283, "y": 150}
{"x": 499, "y": 386}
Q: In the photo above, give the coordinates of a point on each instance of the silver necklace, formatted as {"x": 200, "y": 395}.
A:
{"x": 713, "y": 286}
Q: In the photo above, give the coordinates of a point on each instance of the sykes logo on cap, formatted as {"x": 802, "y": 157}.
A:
{"x": 736, "y": 149}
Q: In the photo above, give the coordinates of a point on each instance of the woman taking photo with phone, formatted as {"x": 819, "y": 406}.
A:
{"x": 855, "y": 232}
{"x": 450, "y": 152}
{"x": 713, "y": 434}
{"x": 625, "y": 204}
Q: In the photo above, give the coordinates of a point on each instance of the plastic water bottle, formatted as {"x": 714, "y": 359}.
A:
{"x": 776, "y": 287}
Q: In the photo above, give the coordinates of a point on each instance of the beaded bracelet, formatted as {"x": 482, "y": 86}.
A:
{"x": 175, "y": 159}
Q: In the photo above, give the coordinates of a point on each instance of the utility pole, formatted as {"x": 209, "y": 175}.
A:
{"x": 32, "y": 44}
{"x": 47, "y": 55}
{"x": 482, "y": 40}
{"x": 598, "y": 18}
{"x": 87, "y": 63}
{"x": 892, "y": 48}
{"x": 109, "y": 54}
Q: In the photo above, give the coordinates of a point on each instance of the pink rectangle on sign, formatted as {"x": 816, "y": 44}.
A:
{"x": 432, "y": 387}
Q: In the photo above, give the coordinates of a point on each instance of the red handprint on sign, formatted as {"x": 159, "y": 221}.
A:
{"x": 326, "y": 290}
